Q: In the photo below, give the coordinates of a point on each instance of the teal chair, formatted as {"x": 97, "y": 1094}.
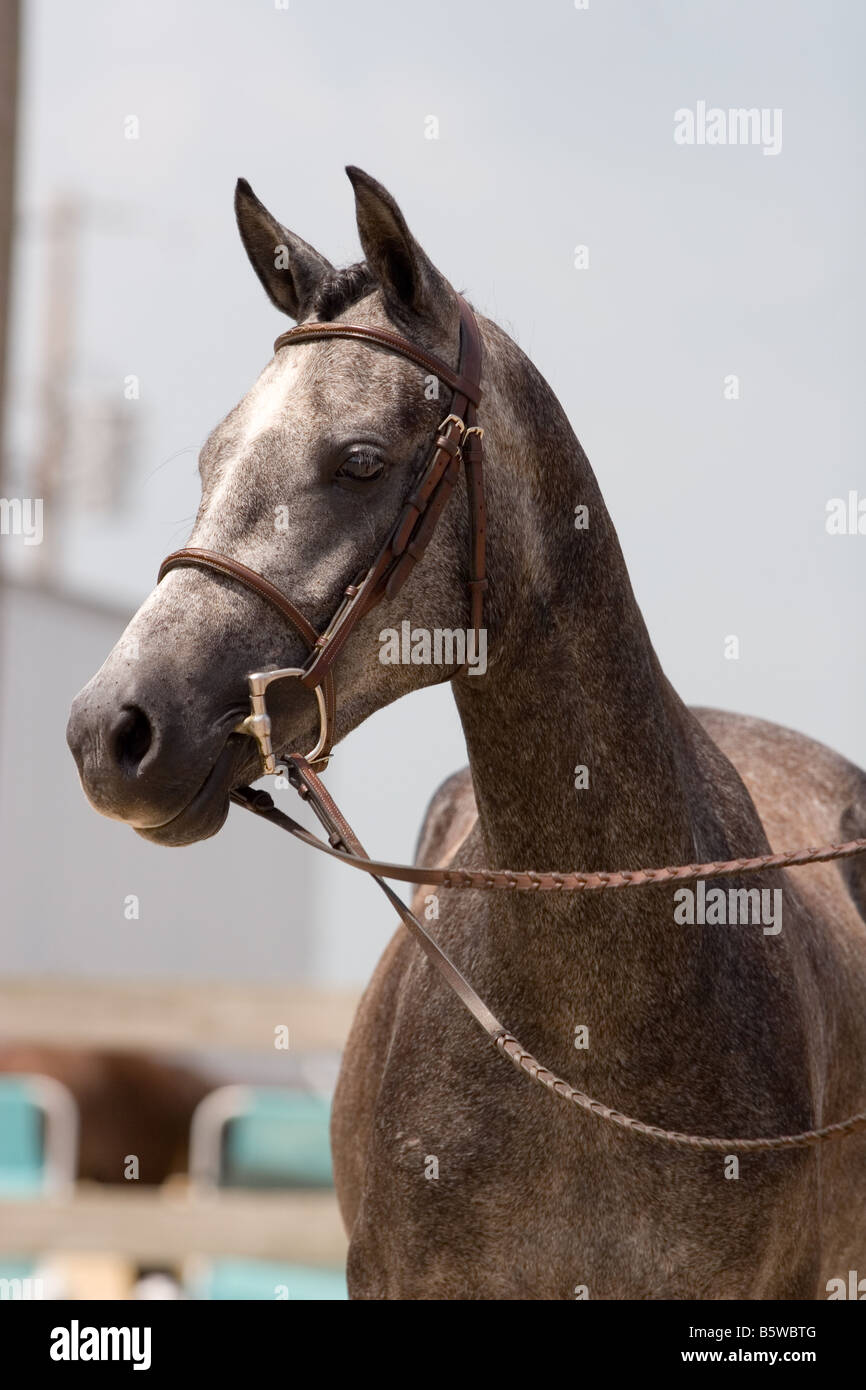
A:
{"x": 22, "y": 1151}
{"x": 38, "y": 1136}
{"x": 261, "y": 1138}
{"x": 280, "y": 1140}
{"x": 38, "y": 1156}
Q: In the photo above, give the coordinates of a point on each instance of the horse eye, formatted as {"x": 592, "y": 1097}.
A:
{"x": 361, "y": 466}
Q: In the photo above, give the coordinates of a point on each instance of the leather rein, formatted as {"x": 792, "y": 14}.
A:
{"x": 458, "y": 443}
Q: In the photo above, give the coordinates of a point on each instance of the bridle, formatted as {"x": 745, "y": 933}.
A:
{"x": 458, "y": 442}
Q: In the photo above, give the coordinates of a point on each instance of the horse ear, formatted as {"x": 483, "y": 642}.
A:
{"x": 407, "y": 277}
{"x": 289, "y": 269}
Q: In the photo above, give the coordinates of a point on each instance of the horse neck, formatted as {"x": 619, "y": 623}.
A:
{"x": 572, "y": 679}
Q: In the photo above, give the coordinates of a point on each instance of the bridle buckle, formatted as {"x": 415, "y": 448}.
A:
{"x": 453, "y": 420}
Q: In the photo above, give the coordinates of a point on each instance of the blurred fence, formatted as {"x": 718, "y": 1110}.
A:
{"x": 165, "y": 1016}
{"x": 213, "y": 1232}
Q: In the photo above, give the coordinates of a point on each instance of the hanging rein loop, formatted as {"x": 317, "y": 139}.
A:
{"x": 458, "y": 441}
{"x": 343, "y": 844}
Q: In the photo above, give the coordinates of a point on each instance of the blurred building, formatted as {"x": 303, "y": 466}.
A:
{"x": 238, "y": 907}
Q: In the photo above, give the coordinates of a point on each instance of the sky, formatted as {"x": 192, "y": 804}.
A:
{"x": 555, "y": 130}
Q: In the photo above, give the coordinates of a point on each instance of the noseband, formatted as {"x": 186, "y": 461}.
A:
{"x": 458, "y": 440}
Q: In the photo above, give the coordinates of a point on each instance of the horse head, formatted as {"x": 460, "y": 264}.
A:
{"x": 301, "y": 483}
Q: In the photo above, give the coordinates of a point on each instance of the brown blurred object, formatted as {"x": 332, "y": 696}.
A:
{"x": 129, "y": 1104}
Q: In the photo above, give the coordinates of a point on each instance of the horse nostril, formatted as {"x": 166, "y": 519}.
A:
{"x": 131, "y": 737}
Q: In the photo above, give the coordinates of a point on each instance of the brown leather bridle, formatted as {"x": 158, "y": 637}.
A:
{"x": 458, "y": 440}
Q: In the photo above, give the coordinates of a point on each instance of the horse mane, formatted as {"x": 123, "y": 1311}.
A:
{"x": 341, "y": 289}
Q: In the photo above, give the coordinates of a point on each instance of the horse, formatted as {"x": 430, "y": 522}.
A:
{"x": 456, "y": 1178}
{"x": 127, "y": 1103}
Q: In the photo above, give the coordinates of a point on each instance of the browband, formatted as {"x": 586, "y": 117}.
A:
{"x": 466, "y": 381}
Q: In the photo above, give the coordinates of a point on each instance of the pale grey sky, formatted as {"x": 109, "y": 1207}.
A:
{"x": 555, "y": 129}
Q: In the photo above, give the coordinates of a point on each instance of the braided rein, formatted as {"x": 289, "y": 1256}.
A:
{"x": 344, "y": 845}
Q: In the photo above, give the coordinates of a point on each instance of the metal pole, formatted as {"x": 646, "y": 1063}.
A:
{"x": 9, "y": 48}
